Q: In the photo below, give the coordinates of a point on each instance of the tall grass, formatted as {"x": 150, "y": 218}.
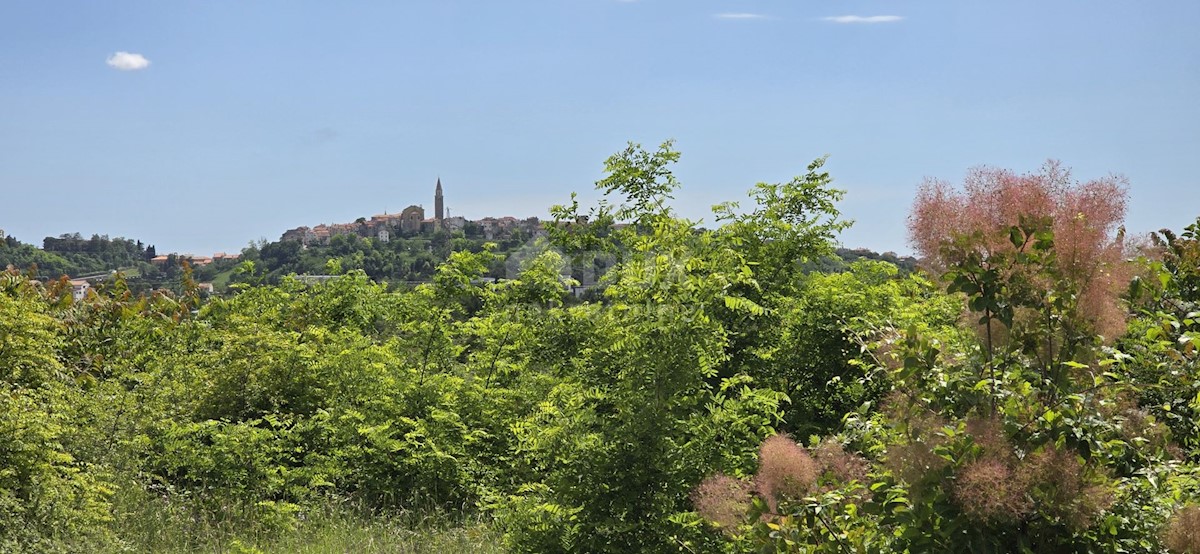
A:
{"x": 145, "y": 523}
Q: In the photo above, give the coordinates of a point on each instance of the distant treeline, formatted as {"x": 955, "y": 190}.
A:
{"x": 72, "y": 254}
{"x": 843, "y": 257}
{"x": 402, "y": 259}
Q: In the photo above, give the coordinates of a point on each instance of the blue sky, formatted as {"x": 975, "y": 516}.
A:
{"x": 254, "y": 117}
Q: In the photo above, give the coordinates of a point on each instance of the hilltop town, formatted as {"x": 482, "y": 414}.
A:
{"x": 411, "y": 221}
{"x": 399, "y": 247}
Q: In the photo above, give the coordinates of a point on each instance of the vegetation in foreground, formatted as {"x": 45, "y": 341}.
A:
{"x": 1035, "y": 392}
{"x": 154, "y": 525}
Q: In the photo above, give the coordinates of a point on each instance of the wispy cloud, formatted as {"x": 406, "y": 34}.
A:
{"x": 864, "y": 18}
{"x": 739, "y": 16}
{"x": 126, "y": 61}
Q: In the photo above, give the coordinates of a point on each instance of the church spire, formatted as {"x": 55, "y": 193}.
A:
{"x": 438, "y": 211}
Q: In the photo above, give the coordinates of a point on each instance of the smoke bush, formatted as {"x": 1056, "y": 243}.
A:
{"x": 723, "y": 500}
{"x": 1085, "y": 219}
{"x": 785, "y": 470}
{"x": 1183, "y": 531}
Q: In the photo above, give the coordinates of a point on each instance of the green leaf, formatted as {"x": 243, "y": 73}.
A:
{"x": 1016, "y": 236}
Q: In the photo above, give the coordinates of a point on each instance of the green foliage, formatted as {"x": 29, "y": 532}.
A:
{"x": 401, "y": 260}
{"x": 712, "y": 377}
{"x": 49, "y": 500}
{"x": 27, "y": 340}
{"x": 815, "y": 352}
{"x": 1009, "y": 444}
{"x": 653, "y": 396}
{"x": 1181, "y": 261}
{"x": 791, "y": 224}
{"x": 72, "y": 254}
{"x": 150, "y": 523}
{"x": 643, "y": 180}
{"x": 1163, "y": 343}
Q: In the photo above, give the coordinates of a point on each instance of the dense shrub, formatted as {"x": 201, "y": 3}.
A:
{"x": 713, "y": 396}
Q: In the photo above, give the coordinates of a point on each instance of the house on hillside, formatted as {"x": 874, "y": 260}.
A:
{"x": 79, "y": 288}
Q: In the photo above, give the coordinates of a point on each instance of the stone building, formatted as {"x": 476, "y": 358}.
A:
{"x": 411, "y": 221}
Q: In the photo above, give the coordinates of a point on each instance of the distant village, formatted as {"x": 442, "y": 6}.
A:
{"x": 412, "y": 221}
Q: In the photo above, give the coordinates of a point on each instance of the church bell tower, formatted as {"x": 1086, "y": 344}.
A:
{"x": 438, "y": 210}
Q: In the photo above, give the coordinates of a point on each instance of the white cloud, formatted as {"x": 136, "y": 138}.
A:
{"x": 125, "y": 61}
{"x": 740, "y": 16}
{"x": 864, "y": 18}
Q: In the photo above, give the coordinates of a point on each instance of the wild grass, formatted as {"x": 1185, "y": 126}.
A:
{"x": 148, "y": 524}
